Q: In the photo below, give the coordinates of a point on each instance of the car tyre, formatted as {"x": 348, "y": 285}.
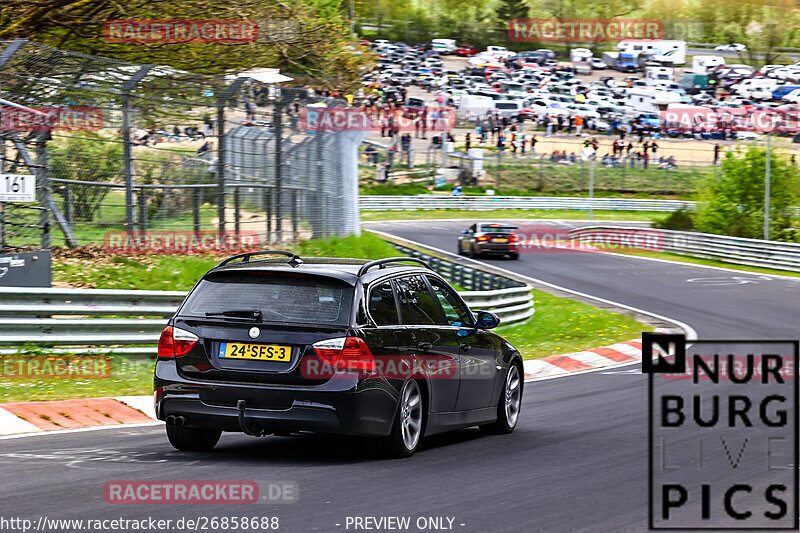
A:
{"x": 514, "y": 255}
{"x": 192, "y": 439}
{"x": 409, "y": 422}
{"x": 509, "y": 404}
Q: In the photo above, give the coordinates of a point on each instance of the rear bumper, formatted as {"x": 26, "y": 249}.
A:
{"x": 345, "y": 404}
{"x": 498, "y": 248}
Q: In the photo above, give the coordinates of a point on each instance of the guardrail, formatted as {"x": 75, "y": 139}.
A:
{"x": 738, "y": 250}
{"x": 490, "y": 203}
{"x": 509, "y": 299}
{"x": 49, "y": 317}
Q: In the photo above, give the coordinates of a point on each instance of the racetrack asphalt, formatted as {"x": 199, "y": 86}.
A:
{"x": 577, "y": 461}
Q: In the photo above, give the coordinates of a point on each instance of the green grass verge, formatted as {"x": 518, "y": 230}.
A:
{"x": 180, "y": 272}
{"x": 129, "y": 376}
{"x": 367, "y": 216}
{"x": 562, "y": 326}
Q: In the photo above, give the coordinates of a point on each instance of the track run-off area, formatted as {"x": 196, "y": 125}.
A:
{"x": 577, "y": 461}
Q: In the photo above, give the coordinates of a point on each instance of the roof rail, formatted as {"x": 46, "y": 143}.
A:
{"x": 294, "y": 260}
{"x": 382, "y": 262}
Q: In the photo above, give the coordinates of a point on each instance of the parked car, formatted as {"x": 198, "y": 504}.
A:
{"x": 732, "y": 47}
{"x": 276, "y": 345}
{"x": 467, "y": 50}
{"x": 597, "y": 63}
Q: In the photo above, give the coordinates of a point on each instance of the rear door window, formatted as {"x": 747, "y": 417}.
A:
{"x": 417, "y": 305}
{"x": 285, "y": 298}
{"x": 382, "y": 305}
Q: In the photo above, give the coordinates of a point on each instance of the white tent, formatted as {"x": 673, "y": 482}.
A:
{"x": 265, "y": 75}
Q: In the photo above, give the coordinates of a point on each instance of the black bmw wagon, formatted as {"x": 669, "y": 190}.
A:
{"x": 267, "y": 343}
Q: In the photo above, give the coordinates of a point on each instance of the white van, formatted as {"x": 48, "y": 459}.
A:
{"x": 701, "y": 64}
{"x": 476, "y": 105}
{"x": 579, "y": 57}
{"x": 658, "y": 76}
{"x": 508, "y": 108}
{"x": 663, "y": 51}
{"x": 746, "y": 88}
{"x": 444, "y": 46}
{"x": 650, "y": 99}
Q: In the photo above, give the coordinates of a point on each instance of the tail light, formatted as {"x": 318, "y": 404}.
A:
{"x": 513, "y": 238}
{"x": 483, "y": 238}
{"x": 347, "y": 353}
{"x": 175, "y": 342}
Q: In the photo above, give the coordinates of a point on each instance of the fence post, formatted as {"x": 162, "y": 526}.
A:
{"x": 294, "y": 213}
{"x": 69, "y": 205}
{"x": 277, "y": 126}
{"x": 222, "y": 101}
{"x": 196, "y": 203}
{"x": 143, "y": 211}
{"x": 499, "y": 168}
{"x": 322, "y": 230}
{"x": 44, "y": 182}
{"x": 236, "y": 207}
{"x": 127, "y": 144}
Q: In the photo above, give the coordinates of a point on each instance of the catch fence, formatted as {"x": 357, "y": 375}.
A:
{"x": 124, "y": 150}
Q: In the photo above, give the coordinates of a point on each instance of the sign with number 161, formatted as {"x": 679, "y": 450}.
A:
{"x": 17, "y": 188}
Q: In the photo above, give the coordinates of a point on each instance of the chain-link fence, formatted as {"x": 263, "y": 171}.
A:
{"x": 124, "y": 151}
{"x": 531, "y": 173}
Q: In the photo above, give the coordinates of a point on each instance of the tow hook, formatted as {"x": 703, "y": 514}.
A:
{"x": 240, "y": 406}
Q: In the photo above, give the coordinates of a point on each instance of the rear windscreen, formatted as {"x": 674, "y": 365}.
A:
{"x": 291, "y": 298}
{"x": 497, "y": 229}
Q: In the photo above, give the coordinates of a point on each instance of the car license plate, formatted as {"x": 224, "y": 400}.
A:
{"x": 499, "y": 240}
{"x": 260, "y": 352}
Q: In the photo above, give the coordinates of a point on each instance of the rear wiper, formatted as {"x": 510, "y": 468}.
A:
{"x": 254, "y": 314}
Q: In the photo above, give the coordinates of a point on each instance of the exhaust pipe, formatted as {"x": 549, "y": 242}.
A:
{"x": 176, "y": 420}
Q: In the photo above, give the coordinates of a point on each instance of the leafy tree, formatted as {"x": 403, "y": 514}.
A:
{"x": 86, "y": 157}
{"x": 307, "y": 37}
{"x": 733, "y": 204}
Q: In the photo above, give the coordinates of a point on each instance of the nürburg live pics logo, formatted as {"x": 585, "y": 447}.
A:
{"x": 723, "y": 433}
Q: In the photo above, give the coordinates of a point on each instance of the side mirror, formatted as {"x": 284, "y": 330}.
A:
{"x": 465, "y": 231}
{"x": 487, "y": 320}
